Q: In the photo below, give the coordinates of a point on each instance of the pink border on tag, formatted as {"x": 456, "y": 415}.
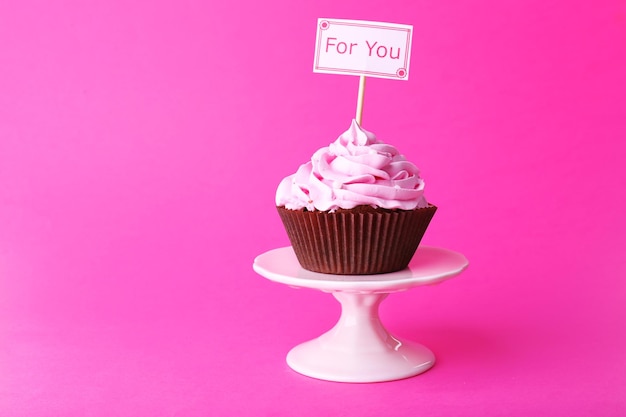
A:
{"x": 401, "y": 73}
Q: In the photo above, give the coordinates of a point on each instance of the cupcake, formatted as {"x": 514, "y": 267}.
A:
{"x": 356, "y": 208}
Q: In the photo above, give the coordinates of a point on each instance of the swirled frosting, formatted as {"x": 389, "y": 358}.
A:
{"x": 357, "y": 169}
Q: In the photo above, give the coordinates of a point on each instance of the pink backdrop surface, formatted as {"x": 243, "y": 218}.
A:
{"x": 140, "y": 147}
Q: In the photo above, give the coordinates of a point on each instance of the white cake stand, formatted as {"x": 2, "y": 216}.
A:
{"x": 359, "y": 348}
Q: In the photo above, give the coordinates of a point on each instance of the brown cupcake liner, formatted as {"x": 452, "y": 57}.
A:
{"x": 361, "y": 241}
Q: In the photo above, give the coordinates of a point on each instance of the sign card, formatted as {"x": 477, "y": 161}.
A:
{"x": 356, "y": 47}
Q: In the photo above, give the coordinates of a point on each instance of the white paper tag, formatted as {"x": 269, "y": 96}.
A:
{"x": 356, "y": 47}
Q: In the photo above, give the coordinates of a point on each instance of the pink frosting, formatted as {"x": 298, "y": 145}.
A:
{"x": 357, "y": 169}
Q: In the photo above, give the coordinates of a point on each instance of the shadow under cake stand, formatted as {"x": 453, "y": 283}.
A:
{"x": 359, "y": 348}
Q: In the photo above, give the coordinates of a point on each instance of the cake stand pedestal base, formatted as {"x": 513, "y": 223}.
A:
{"x": 359, "y": 348}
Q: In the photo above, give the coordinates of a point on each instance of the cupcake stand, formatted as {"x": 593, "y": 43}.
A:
{"x": 359, "y": 348}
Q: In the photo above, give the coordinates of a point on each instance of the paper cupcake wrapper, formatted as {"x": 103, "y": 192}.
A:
{"x": 361, "y": 241}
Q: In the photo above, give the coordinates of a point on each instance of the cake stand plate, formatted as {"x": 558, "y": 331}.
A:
{"x": 359, "y": 348}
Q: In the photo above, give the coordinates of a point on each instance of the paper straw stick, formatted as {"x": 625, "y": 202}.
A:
{"x": 359, "y": 103}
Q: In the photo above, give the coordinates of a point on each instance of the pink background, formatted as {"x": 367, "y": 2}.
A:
{"x": 140, "y": 147}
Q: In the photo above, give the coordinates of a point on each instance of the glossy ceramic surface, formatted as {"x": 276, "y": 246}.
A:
{"x": 359, "y": 348}
{"x": 430, "y": 265}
